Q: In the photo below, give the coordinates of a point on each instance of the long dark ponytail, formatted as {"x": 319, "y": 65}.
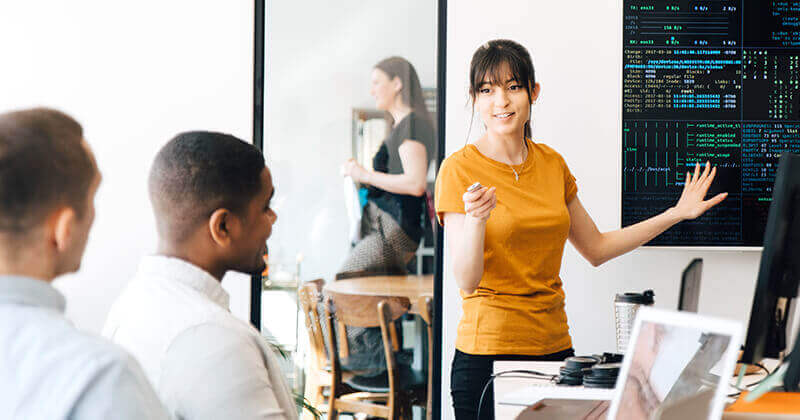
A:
{"x": 411, "y": 94}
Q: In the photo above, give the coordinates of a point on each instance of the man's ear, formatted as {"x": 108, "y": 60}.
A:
{"x": 61, "y": 226}
{"x": 223, "y": 225}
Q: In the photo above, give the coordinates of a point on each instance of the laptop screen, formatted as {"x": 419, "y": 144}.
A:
{"x": 672, "y": 364}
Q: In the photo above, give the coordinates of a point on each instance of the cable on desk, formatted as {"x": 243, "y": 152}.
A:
{"x": 527, "y": 373}
{"x": 747, "y": 386}
{"x": 764, "y": 368}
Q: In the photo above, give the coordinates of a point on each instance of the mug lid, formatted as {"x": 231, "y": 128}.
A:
{"x": 644, "y": 298}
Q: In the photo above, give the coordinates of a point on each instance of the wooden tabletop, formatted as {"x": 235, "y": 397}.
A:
{"x": 411, "y": 286}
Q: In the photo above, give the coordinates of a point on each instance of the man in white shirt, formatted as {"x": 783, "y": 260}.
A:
{"x": 211, "y": 196}
{"x": 49, "y": 369}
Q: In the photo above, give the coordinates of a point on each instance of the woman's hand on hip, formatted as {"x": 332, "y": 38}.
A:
{"x": 691, "y": 204}
{"x": 479, "y": 204}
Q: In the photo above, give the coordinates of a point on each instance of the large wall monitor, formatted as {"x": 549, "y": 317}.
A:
{"x": 708, "y": 80}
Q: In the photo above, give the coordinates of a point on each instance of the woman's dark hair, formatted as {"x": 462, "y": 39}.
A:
{"x": 487, "y": 64}
{"x": 411, "y": 94}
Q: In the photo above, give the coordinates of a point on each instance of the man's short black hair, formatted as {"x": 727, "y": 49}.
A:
{"x": 44, "y": 164}
{"x": 198, "y": 172}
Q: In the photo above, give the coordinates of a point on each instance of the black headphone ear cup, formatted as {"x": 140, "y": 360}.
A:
{"x": 572, "y": 372}
{"x": 590, "y": 371}
{"x": 602, "y": 376}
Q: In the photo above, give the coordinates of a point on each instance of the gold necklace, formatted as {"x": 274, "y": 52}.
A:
{"x": 525, "y": 157}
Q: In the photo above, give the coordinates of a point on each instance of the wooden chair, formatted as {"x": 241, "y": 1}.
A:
{"x": 397, "y": 384}
{"x": 318, "y": 376}
{"x": 426, "y": 312}
{"x": 344, "y": 351}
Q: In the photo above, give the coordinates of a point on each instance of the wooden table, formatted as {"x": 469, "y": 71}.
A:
{"x": 411, "y": 286}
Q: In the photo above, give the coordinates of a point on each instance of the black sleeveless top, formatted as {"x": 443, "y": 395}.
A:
{"x": 409, "y": 211}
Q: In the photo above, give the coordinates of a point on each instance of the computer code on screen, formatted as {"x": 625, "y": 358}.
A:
{"x": 705, "y": 81}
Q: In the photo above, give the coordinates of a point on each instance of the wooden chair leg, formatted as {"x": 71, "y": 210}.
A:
{"x": 401, "y": 409}
{"x": 333, "y": 412}
{"x": 408, "y": 409}
{"x": 319, "y": 397}
{"x": 394, "y": 408}
{"x": 333, "y": 415}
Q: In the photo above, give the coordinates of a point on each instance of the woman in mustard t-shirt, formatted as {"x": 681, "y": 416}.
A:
{"x": 507, "y": 238}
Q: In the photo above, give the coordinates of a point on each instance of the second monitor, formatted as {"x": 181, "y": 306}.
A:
{"x": 689, "y": 298}
{"x": 779, "y": 270}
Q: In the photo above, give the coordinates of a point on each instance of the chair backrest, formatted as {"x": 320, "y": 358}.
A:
{"x": 309, "y": 295}
{"x": 317, "y": 284}
{"x": 361, "y": 311}
{"x": 366, "y": 311}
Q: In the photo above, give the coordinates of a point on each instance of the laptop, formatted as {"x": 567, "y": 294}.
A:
{"x": 677, "y": 366}
{"x": 676, "y": 360}
{"x": 690, "y": 286}
{"x": 694, "y": 407}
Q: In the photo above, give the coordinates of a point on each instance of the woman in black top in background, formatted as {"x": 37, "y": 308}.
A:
{"x": 394, "y": 217}
{"x": 393, "y": 220}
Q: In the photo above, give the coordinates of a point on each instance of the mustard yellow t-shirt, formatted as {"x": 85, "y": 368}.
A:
{"x": 518, "y": 307}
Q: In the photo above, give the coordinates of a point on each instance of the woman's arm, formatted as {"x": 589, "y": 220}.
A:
{"x": 412, "y": 181}
{"x": 465, "y": 237}
{"x": 599, "y": 247}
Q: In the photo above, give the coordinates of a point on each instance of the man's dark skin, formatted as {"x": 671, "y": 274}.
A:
{"x": 229, "y": 240}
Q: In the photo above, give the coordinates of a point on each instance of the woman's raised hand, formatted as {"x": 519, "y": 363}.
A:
{"x": 691, "y": 204}
{"x": 479, "y": 203}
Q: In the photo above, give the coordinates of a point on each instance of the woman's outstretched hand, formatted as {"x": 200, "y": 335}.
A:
{"x": 691, "y": 204}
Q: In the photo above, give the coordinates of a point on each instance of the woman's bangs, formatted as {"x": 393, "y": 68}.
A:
{"x": 497, "y": 67}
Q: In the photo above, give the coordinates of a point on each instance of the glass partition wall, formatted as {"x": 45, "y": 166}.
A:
{"x": 351, "y": 136}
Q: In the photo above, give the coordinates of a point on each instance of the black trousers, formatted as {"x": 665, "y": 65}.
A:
{"x": 470, "y": 373}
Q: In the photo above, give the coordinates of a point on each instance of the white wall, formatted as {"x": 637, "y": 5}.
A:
{"x": 577, "y": 55}
{"x": 134, "y": 74}
{"x": 318, "y": 63}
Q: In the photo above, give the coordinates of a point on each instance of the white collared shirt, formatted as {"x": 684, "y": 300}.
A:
{"x": 203, "y": 361}
{"x": 50, "y": 370}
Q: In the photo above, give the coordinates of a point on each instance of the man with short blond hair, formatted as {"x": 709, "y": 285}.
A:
{"x": 49, "y": 369}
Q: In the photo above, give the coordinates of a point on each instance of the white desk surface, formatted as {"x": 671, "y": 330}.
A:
{"x": 505, "y": 386}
